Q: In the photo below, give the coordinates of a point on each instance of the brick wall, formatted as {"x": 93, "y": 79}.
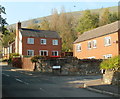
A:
{"x": 100, "y": 50}
{"x": 27, "y": 64}
{"x": 37, "y": 46}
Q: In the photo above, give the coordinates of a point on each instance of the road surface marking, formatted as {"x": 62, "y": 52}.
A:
{"x": 22, "y": 81}
{"x": 5, "y": 74}
{"x": 43, "y": 89}
{"x": 19, "y": 80}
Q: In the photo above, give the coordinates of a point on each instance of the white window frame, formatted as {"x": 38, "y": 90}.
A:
{"x": 55, "y": 42}
{"x": 88, "y": 45}
{"x": 44, "y": 41}
{"x": 43, "y": 52}
{"x": 32, "y": 52}
{"x": 78, "y": 47}
{"x": 107, "y": 56}
{"x": 30, "y": 40}
{"x": 93, "y": 57}
{"x": 94, "y": 43}
{"x": 106, "y": 41}
{"x": 54, "y": 54}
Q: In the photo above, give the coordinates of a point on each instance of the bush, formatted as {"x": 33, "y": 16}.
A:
{"x": 112, "y": 63}
{"x": 11, "y": 56}
{"x": 17, "y": 62}
{"x": 35, "y": 59}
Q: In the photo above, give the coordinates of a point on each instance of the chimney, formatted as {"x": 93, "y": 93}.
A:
{"x": 18, "y": 26}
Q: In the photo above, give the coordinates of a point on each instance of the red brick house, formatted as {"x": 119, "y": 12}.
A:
{"x": 30, "y": 42}
{"x": 100, "y": 43}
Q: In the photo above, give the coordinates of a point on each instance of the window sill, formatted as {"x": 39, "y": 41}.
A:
{"x": 78, "y": 50}
{"x": 89, "y": 48}
{"x": 107, "y": 45}
{"x": 30, "y": 44}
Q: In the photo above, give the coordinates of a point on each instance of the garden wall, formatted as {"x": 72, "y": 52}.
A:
{"x": 27, "y": 64}
{"x": 111, "y": 77}
{"x": 72, "y": 66}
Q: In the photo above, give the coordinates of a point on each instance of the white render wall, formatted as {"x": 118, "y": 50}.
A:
{"x": 20, "y": 43}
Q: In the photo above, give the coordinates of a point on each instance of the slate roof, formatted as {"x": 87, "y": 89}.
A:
{"x": 100, "y": 31}
{"x": 38, "y": 33}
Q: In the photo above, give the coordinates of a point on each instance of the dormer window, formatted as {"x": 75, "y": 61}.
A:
{"x": 30, "y": 41}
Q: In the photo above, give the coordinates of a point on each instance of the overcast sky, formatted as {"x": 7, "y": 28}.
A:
{"x": 21, "y": 11}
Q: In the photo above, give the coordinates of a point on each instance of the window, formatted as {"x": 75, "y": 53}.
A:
{"x": 107, "y": 56}
{"x": 89, "y": 45}
{"x": 43, "y": 53}
{"x": 107, "y": 41}
{"x": 94, "y": 43}
{"x": 78, "y": 47}
{"x": 30, "y": 52}
{"x": 93, "y": 57}
{"x": 43, "y": 41}
{"x": 55, "y": 42}
{"x": 54, "y": 53}
{"x": 30, "y": 40}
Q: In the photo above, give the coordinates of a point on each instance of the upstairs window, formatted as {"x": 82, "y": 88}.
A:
{"x": 30, "y": 52}
{"x": 89, "y": 45}
{"x": 43, "y": 41}
{"x": 30, "y": 40}
{"x": 43, "y": 53}
{"x": 54, "y": 53}
{"x": 55, "y": 42}
{"x": 107, "y": 41}
{"x": 94, "y": 43}
{"x": 78, "y": 47}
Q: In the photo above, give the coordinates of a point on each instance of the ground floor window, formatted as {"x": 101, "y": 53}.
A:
{"x": 107, "y": 56}
{"x": 30, "y": 52}
{"x": 43, "y": 53}
{"x": 54, "y": 53}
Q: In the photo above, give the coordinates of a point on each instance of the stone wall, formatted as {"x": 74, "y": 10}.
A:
{"x": 72, "y": 66}
{"x": 111, "y": 77}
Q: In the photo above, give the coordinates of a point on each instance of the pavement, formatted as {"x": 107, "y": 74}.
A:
{"x": 95, "y": 85}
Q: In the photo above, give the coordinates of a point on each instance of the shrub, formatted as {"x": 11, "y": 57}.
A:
{"x": 35, "y": 59}
{"x": 11, "y": 56}
{"x": 16, "y": 62}
{"x": 112, "y": 63}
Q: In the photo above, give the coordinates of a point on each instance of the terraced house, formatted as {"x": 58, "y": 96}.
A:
{"x": 100, "y": 43}
{"x": 30, "y": 42}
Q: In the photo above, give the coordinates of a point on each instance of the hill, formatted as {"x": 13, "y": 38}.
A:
{"x": 76, "y": 16}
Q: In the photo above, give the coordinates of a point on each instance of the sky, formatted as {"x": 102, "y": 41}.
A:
{"x": 22, "y": 11}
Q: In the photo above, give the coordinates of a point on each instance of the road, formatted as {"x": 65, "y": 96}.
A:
{"x": 34, "y": 84}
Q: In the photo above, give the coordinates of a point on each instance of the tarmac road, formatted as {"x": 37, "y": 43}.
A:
{"x": 30, "y": 84}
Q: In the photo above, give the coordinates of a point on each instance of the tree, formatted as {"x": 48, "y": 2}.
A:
{"x": 44, "y": 25}
{"x": 54, "y": 20}
{"x": 87, "y": 22}
{"x": 113, "y": 17}
{"x": 104, "y": 17}
{"x": 2, "y": 21}
{"x": 66, "y": 31}
{"x": 8, "y": 38}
